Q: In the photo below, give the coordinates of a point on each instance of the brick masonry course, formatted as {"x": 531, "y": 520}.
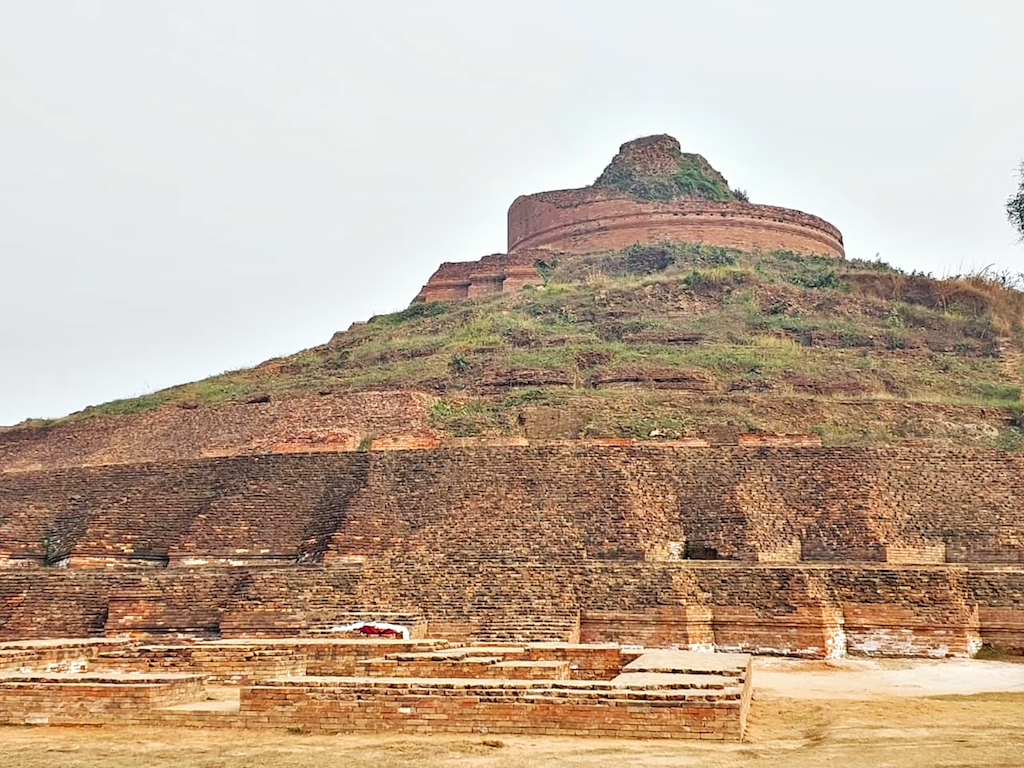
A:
{"x": 809, "y": 551}
{"x": 602, "y": 219}
{"x": 556, "y": 503}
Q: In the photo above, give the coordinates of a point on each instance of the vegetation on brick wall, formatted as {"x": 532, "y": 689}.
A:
{"x": 678, "y": 339}
{"x": 691, "y": 177}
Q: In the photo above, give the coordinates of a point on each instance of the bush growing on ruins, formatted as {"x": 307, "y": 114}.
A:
{"x": 692, "y": 180}
{"x": 53, "y": 550}
{"x": 990, "y": 652}
{"x": 1017, "y": 416}
{"x": 699, "y": 255}
{"x": 471, "y": 418}
{"x": 1015, "y": 206}
{"x": 415, "y": 311}
{"x": 715, "y": 279}
{"x": 871, "y": 265}
{"x": 648, "y": 259}
{"x": 546, "y": 268}
{"x": 816, "y": 275}
{"x": 458, "y": 364}
{"x": 896, "y": 339}
{"x": 439, "y": 412}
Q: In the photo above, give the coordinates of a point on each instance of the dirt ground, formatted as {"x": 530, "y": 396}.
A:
{"x": 855, "y": 714}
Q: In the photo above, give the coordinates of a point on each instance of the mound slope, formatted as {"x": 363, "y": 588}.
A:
{"x": 662, "y": 442}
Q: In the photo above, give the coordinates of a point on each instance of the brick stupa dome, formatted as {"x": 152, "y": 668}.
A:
{"x": 650, "y": 192}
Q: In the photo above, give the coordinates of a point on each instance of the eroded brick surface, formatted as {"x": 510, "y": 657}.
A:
{"x": 810, "y": 551}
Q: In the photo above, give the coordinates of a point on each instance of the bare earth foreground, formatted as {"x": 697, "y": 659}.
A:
{"x": 852, "y": 713}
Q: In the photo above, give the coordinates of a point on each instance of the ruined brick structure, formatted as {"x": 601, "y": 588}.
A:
{"x": 497, "y": 273}
{"x": 615, "y": 213}
{"x": 331, "y": 685}
{"x": 811, "y": 551}
{"x": 543, "y": 578}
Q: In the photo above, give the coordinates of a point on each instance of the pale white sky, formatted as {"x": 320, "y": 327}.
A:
{"x": 190, "y": 186}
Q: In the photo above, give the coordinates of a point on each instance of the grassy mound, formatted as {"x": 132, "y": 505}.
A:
{"x": 671, "y": 339}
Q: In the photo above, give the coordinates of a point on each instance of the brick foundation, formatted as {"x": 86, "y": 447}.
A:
{"x": 550, "y": 689}
{"x": 40, "y": 699}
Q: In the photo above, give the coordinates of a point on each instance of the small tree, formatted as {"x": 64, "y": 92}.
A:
{"x": 1015, "y": 206}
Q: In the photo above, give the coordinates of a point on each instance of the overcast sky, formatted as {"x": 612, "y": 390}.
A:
{"x": 192, "y": 186}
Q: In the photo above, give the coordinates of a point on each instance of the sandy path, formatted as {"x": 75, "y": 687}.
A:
{"x": 883, "y": 678}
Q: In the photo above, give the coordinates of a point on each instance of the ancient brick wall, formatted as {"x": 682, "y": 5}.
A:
{"x": 602, "y": 219}
{"x": 422, "y": 707}
{"x": 400, "y": 421}
{"x": 548, "y": 503}
{"x": 496, "y": 273}
{"x": 710, "y": 702}
{"x": 231, "y": 665}
{"x": 284, "y": 425}
{"x": 808, "y": 610}
{"x": 738, "y": 548}
{"x": 34, "y": 700}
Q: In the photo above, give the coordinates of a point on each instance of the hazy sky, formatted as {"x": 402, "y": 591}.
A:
{"x": 191, "y": 186}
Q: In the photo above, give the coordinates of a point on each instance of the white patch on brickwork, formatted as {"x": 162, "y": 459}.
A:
{"x": 701, "y": 647}
{"x": 402, "y": 630}
{"x": 974, "y": 644}
{"x": 901, "y": 642}
{"x": 884, "y": 643}
{"x": 835, "y": 644}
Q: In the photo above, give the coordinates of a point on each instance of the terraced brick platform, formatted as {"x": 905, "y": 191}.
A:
{"x": 420, "y": 686}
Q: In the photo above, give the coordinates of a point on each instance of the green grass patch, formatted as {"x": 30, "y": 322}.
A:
{"x": 125, "y": 407}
